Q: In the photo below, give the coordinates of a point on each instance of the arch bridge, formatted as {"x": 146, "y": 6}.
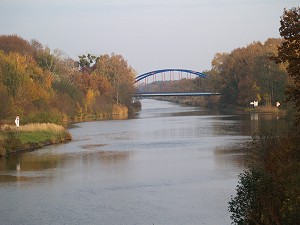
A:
{"x": 170, "y": 74}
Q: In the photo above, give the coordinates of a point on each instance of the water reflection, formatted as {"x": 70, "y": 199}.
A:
{"x": 29, "y": 166}
{"x": 233, "y": 155}
{"x": 28, "y": 162}
{"x": 248, "y": 124}
{"x": 170, "y": 163}
{"x": 111, "y": 157}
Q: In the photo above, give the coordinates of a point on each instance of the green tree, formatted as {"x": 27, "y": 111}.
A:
{"x": 86, "y": 63}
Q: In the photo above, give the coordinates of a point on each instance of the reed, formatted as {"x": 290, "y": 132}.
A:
{"x": 33, "y": 127}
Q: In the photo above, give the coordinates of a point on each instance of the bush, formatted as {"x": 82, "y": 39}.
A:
{"x": 256, "y": 200}
{"x": 52, "y": 116}
{"x": 2, "y": 149}
{"x": 11, "y": 141}
{"x": 269, "y": 192}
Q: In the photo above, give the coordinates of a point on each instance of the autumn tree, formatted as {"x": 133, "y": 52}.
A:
{"x": 247, "y": 74}
{"x": 44, "y": 85}
{"x": 66, "y": 94}
{"x": 119, "y": 74}
{"x": 289, "y": 52}
{"x": 96, "y": 87}
{"x": 27, "y": 88}
{"x": 269, "y": 192}
{"x": 14, "y": 43}
{"x": 271, "y": 78}
{"x": 55, "y": 62}
{"x": 5, "y": 102}
{"x": 9, "y": 75}
{"x": 217, "y": 64}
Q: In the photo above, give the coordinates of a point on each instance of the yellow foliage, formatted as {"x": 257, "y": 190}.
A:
{"x": 33, "y": 82}
{"x": 119, "y": 109}
{"x": 48, "y": 81}
{"x": 79, "y": 111}
{"x": 90, "y": 97}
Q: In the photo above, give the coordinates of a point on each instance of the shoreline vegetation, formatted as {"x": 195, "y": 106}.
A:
{"x": 118, "y": 111}
{"x": 268, "y": 192}
{"x": 41, "y": 85}
{"x": 213, "y": 103}
{"x": 30, "y": 137}
{"x": 37, "y": 135}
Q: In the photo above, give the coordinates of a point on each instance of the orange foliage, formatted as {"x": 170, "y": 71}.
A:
{"x": 35, "y": 83}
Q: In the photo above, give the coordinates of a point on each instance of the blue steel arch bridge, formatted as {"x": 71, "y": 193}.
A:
{"x": 169, "y": 75}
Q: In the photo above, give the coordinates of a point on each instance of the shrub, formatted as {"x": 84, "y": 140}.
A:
{"x": 52, "y": 116}
{"x": 254, "y": 201}
{"x": 2, "y": 149}
{"x": 11, "y": 141}
{"x": 269, "y": 193}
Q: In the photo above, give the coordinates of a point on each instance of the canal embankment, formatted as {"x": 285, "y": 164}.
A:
{"x": 31, "y": 136}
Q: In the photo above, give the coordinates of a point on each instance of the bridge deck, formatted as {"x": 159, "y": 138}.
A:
{"x": 157, "y": 94}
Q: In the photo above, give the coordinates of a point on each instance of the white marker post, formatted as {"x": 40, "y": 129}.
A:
{"x": 17, "y": 121}
{"x": 254, "y": 104}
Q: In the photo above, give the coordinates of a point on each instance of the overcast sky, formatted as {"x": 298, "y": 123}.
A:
{"x": 149, "y": 34}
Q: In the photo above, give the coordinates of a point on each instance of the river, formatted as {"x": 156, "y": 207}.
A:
{"x": 170, "y": 164}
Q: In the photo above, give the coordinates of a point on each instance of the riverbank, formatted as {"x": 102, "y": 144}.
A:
{"x": 115, "y": 112}
{"x": 212, "y": 102}
{"x": 30, "y": 137}
{"x": 37, "y": 135}
{"x": 201, "y": 101}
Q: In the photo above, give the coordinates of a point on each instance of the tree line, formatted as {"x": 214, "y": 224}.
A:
{"x": 244, "y": 75}
{"x": 249, "y": 74}
{"x": 41, "y": 85}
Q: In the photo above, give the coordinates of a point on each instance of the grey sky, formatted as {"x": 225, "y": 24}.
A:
{"x": 150, "y": 34}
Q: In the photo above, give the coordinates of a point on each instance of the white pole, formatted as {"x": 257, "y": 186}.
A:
{"x": 17, "y": 121}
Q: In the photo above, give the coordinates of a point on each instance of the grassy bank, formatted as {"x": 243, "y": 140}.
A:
{"x": 30, "y": 136}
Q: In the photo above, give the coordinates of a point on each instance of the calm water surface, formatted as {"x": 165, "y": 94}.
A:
{"x": 169, "y": 165}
